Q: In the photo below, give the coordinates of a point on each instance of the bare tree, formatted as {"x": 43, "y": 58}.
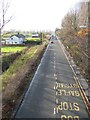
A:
{"x": 78, "y": 21}
{"x": 4, "y": 7}
{"x": 83, "y": 14}
{"x": 69, "y": 22}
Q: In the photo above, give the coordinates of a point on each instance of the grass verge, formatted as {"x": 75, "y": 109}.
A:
{"x": 11, "y": 49}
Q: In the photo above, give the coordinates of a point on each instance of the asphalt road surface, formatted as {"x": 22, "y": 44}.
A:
{"x": 53, "y": 92}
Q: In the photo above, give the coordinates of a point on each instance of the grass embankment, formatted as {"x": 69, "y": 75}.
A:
{"x": 7, "y": 60}
{"x": 9, "y": 54}
{"x": 18, "y": 63}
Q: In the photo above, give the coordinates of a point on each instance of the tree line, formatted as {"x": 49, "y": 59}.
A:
{"x": 74, "y": 34}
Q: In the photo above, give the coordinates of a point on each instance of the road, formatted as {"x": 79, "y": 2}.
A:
{"x": 53, "y": 92}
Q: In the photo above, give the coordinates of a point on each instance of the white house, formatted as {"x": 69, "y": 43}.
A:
{"x": 15, "y": 39}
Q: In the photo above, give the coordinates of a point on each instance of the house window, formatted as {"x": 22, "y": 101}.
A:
{"x": 15, "y": 42}
{"x": 11, "y": 38}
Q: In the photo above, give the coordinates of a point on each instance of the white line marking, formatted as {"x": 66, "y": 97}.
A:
{"x": 54, "y": 66}
{"x": 54, "y": 111}
{"x": 70, "y": 66}
{"x": 55, "y": 75}
{"x": 56, "y": 78}
{"x": 54, "y": 87}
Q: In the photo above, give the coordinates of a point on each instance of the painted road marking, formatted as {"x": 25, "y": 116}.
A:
{"x": 60, "y": 92}
{"x": 66, "y": 85}
{"x": 57, "y": 101}
{"x": 54, "y": 87}
{"x": 54, "y": 111}
{"x": 66, "y": 89}
{"x": 54, "y": 67}
{"x": 67, "y": 106}
{"x": 55, "y": 75}
{"x": 84, "y": 97}
{"x": 69, "y": 117}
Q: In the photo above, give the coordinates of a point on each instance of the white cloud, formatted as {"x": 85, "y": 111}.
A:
{"x": 38, "y": 14}
{"x": 85, "y": 0}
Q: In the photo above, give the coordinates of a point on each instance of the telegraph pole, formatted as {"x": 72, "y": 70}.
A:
{"x": 0, "y": 37}
{"x": 41, "y": 37}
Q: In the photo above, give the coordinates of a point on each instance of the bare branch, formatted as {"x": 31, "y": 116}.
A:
{"x": 6, "y": 22}
{"x": 4, "y": 9}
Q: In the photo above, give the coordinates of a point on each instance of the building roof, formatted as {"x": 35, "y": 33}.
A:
{"x": 19, "y": 35}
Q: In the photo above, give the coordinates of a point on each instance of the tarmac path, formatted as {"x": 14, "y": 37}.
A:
{"x": 53, "y": 92}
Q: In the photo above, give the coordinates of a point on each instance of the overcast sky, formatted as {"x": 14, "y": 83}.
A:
{"x": 37, "y": 14}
